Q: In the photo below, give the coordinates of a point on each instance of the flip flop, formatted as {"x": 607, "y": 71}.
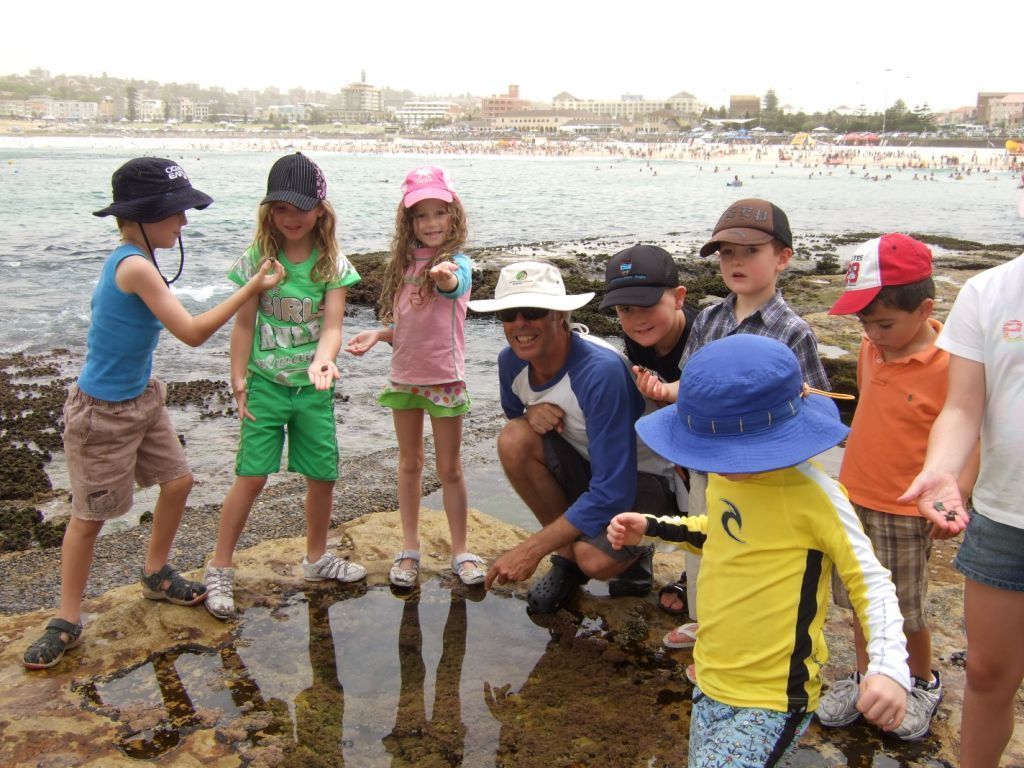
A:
{"x": 689, "y": 631}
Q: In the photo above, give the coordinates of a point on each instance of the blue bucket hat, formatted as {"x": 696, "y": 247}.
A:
{"x": 743, "y": 408}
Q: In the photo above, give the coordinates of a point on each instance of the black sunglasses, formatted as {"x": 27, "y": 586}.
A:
{"x": 528, "y": 313}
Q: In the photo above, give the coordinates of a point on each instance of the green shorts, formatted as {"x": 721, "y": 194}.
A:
{"x": 306, "y": 413}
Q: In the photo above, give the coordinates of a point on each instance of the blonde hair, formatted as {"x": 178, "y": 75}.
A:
{"x": 404, "y": 242}
{"x": 269, "y": 241}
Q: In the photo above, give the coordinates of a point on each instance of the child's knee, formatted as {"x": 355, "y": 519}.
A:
{"x": 179, "y": 486}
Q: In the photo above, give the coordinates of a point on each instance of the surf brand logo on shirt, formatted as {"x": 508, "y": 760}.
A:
{"x": 729, "y": 516}
{"x": 1013, "y": 331}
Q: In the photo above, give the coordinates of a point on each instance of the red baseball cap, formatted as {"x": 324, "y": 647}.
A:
{"x": 892, "y": 259}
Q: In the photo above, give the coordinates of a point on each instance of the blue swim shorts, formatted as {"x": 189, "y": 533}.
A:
{"x": 723, "y": 736}
{"x": 992, "y": 554}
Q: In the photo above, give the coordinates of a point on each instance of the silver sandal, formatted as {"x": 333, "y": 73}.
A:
{"x": 470, "y": 568}
{"x": 405, "y": 577}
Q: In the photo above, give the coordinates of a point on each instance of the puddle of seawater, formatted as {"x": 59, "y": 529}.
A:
{"x": 443, "y": 677}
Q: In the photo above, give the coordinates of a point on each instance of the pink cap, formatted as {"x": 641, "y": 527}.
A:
{"x": 427, "y": 182}
{"x": 892, "y": 259}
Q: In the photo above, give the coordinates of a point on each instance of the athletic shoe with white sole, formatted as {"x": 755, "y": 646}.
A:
{"x": 220, "y": 591}
{"x": 330, "y": 566}
{"x": 922, "y": 703}
{"x": 838, "y": 707}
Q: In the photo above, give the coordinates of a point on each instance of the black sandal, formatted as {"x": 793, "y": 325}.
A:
{"x": 636, "y": 580}
{"x": 678, "y": 589}
{"x": 556, "y": 586}
{"x": 179, "y": 590}
{"x": 49, "y": 649}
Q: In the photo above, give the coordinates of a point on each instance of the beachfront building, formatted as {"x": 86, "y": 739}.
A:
{"x": 629, "y": 107}
{"x": 540, "y": 121}
{"x": 421, "y": 114}
{"x": 50, "y": 109}
{"x": 1007, "y": 112}
{"x": 493, "y": 106}
{"x": 188, "y": 111}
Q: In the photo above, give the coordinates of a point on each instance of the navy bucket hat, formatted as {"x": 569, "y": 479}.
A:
{"x": 149, "y": 189}
{"x": 743, "y": 408}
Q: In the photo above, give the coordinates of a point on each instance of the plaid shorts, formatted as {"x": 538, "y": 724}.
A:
{"x": 111, "y": 446}
{"x": 902, "y": 544}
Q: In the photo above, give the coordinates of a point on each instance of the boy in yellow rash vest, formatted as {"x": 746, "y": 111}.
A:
{"x": 775, "y": 526}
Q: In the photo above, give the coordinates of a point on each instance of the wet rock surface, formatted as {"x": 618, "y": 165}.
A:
{"x": 592, "y": 684}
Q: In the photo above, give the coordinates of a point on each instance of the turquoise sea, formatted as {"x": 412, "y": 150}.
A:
{"x": 51, "y": 247}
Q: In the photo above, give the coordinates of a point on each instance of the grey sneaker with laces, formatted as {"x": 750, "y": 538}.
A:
{"x": 330, "y": 566}
{"x": 838, "y": 707}
{"x": 220, "y": 591}
{"x": 922, "y": 703}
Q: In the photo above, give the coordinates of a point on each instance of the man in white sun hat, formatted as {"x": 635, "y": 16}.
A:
{"x": 569, "y": 449}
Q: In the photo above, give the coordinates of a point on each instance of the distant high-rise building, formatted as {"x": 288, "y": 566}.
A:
{"x": 492, "y": 106}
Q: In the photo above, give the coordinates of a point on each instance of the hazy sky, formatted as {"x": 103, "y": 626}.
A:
{"x": 814, "y": 55}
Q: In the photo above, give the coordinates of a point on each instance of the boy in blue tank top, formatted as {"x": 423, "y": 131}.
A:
{"x": 117, "y": 429}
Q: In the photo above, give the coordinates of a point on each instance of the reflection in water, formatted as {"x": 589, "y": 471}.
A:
{"x": 316, "y": 681}
{"x": 415, "y": 740}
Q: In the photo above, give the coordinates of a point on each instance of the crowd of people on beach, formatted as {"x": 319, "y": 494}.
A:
{"x": 700, "y": 432}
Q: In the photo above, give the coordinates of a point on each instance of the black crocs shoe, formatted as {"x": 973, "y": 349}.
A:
{"x": 636, "y": 580}
{"x": 554, "y": 588}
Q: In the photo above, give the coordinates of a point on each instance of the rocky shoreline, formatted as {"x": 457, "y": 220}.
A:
{"x": 619, "y": 666}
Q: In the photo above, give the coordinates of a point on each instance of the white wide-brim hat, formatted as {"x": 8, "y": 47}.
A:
{"x": 530, "y": 284}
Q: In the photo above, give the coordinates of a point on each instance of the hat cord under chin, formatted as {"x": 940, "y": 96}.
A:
{"x": 152, "y": 255}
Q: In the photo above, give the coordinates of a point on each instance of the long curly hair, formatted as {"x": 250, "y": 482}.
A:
{"x": 269, "y": 241}
{"x": 404, "y": 243}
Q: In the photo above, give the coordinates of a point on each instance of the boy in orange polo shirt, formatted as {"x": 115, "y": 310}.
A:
{"x": 901, "y": 376}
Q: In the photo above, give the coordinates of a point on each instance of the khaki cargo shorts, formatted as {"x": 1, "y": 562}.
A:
{"x": 109, "y": 447}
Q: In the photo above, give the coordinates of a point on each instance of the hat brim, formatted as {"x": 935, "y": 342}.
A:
{"x": 540, "y": 300}
{"x": 736, "y": 236}
{"x": 429, "y": 193}
{"x": 300, "y": 201}
{"x": 634, "y": 296}
{"x": 815, "y": 429}
{"x": 154, "y": 208}
{"x": 852, "y": 302}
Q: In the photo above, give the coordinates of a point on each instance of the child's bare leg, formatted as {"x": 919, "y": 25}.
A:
{"x": 409, "y": 430}
{"x": 167, "y": 513}
{"x": 447, "y": 447}
{"x": 995, "y": 668}
{"x": 76, "y": 555}
{"x": 234, "y": 513}
{"x": 319, "y": 498}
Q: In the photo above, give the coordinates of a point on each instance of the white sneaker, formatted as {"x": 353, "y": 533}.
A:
{"x": 330, "y": 566}
{"x": 838, "y": 707}
{"x": 220, "y": 591}
{"x": 922, "y": 703}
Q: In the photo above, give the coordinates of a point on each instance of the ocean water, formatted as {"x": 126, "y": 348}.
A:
{"x": 51, "y": 247}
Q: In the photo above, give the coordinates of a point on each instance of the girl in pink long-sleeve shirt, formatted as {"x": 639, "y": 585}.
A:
{"x": 426, "y": 288}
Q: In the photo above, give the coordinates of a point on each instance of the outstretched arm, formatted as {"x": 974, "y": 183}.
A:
{"x": 953, "y": 438}
{"x": 137, "y": 275}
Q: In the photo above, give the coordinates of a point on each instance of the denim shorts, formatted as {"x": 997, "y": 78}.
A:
{"x": 724, "y": 736}
{"x": 992, "y": 554}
